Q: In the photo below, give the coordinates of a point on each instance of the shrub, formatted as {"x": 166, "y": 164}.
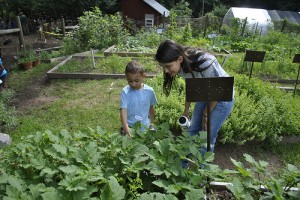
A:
{"x": 261, "y": 111}
{"x": 97, "y": 163}
{"x": 96, "y": 31}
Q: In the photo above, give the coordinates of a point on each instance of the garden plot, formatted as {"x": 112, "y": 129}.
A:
{"x": 130, "y": 52}
{"x": 50, "y": 55}
{"x": 99, "y": 67}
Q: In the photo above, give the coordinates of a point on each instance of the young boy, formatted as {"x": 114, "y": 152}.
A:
{"x": 137, "y": 99}
{"x": 3, "y": 74}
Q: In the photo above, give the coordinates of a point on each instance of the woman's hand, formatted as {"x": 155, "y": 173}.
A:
{"x": 186, "y": 109}
{"x": 185, "y": 113}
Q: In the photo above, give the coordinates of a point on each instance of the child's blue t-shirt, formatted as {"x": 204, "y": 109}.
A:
{"x": 4, "y": 72}
{"x": 137, "y": 103}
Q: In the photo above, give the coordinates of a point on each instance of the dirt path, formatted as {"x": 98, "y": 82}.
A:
{"x": 30, "y": 96}
{"x": 31, "y": 41}
{"x": 223, "y": 153}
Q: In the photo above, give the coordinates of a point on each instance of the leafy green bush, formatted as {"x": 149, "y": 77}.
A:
{"x": 96, "y": 164}
{"x": 26, "y": 55}
{"x": 51, "y": 54}
{"x": 261, "y": 111}
{"x": 145, "y": 38}
{"x": 132, "y": 44}
{"x": 250, "y": 183}
{"x": 170, "y": 108}
{"x": 96, "y": 31}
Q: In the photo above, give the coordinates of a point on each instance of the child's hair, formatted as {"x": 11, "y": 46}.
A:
{"x": 134, "y": 67}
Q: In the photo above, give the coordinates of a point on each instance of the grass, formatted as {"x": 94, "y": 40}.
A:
{"x": 288, "y": 152}
{"x": 73, "y": 105}
{"x": 65, "y": 104}
{"x": 76, "y": 105}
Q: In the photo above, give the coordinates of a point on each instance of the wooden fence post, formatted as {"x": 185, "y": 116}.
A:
{"x": 21, "y": 37}
{"x": 63, "y": 27}
{"x": 244, "y": 26}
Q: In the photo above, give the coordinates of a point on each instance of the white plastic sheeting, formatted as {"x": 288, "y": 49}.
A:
{"x": 257, "y": 19}
{"x": 260, "y": 19}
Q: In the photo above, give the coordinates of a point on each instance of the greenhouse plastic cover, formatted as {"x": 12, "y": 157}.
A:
{"x": 260, "y": 17}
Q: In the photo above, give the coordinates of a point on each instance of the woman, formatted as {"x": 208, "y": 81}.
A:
{"x": 194, "y": 63}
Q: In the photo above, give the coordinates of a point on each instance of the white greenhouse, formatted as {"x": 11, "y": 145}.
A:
{"x": 260, "y": 19}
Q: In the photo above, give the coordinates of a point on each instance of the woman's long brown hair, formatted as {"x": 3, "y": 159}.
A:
{"x": 169, "y": 51}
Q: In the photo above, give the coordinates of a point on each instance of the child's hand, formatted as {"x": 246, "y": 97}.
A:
{"x": 151, "y": 127}
{"x": 129, "y": 135}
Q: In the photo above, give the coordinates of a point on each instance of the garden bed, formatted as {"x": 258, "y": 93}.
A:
{"x": 83, "y": 66}
{"x": 114, "y": 51}
{"x": 50, "y": 55}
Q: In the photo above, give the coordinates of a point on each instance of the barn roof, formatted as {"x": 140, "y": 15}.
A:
{"x": 158, "y": 7}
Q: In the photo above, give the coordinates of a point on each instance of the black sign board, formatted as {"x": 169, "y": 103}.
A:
{"x": 254, "y": 56}
{"x": 296, "y": 58}
{"x": 209, "y": 89}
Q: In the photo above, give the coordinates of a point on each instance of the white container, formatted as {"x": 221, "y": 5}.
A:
{"x": 184, "y": 122}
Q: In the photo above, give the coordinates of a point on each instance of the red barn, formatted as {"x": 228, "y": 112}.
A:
{"x": 147, "y": 13}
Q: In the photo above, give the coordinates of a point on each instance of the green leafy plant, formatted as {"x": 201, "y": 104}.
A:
{"x": 44, "y": 55}
{"x": 25, "y": 56}
{"x": 97, "y": 31}
{"x": 251, "y": 183}
{"x": 261, "y": 112}
{"x": 97, "y": 164}
{"x": 101, "y": 164}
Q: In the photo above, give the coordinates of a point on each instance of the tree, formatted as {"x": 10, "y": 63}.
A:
{"x": 208, "y": 2}
{"x": 57, "y": 8}
{"x": 220, "y": 10}
{"x": 182, "y": 9}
